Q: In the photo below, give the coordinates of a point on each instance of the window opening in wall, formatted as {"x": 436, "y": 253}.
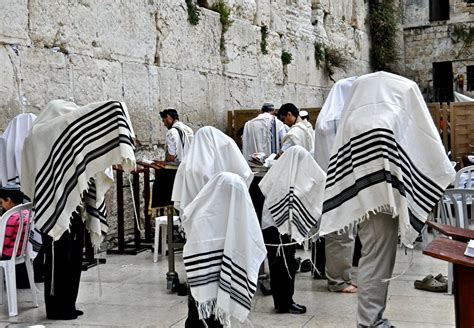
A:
{"x": 470, "y": 77}
{"x": 439, "y": 10}
{"x": 443, "y": 81}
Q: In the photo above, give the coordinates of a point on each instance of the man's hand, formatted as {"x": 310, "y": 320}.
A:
{"x": 169, "y": 157}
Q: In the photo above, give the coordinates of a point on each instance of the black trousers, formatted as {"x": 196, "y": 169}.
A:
{"x": 67, "y": 269}
{"x": 193, "y": 321}
{"x": 282, "y": 280}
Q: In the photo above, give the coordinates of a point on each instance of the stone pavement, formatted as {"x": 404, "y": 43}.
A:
{"x": 134, "y": 294}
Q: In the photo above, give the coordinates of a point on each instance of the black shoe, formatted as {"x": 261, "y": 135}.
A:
{"x": 293, "y": 309}
{"x": 305, "y": 266}
{"x": 79, "y": 312}
{"x": 63, "y": 316}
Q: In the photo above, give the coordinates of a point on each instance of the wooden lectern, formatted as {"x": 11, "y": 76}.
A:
{"x": 452, "y": 250}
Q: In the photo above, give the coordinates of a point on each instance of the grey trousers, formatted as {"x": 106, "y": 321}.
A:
{"x": 339, "y": 253}
{"x": 379, "y": 238}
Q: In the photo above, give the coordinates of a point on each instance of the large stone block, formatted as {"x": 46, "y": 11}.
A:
{"x": 270, "y": 65}
{"x": 9, "y": 88}
{"x": 95, "y": 79}
{"x": 194, "y": 98}
{"x": 185, "y": 46}
{"x": 241, "y": 42}
{"x": 14, "y": 21}
{"x": 45, "y": 77}
{"x": 218, "y": 100}
{"x": 263, "y": 15}
{"x": 124, "y": 30}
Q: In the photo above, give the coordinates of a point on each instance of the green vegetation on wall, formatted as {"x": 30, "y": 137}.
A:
{"x": 329, "y": 58}
{"x": 193, "y": 12}
{"x": 465, "y": 34}
{"x": 286, "y": 57}
{"x": 226, "y": 22}
{"x": 383, "y": 20}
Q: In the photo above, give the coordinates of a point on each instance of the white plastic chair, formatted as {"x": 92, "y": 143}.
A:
{"x": 453, "y": 210}
{"x": 465, "y": 178}
{"x": 161, "y": 224}
{"x": 19, "y": 255}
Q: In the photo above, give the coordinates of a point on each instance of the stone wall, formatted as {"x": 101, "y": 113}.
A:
{"x": 428, "y": 42}
{"x": 146, "y": 53}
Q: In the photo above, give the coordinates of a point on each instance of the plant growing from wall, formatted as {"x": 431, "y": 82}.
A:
{"x": 193, "y": 12}
{"x": 383, "y": 20}
{"x": 286, "y": 57}
{"x": 263, "y": 43}
{"x": 329, "y": 58}
{"x": 464, "y": 34}
{"x": 226, "y": 22}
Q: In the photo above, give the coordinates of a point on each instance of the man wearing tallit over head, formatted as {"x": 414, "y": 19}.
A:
{"x": 66, "y": 163}
{"x": 212, "y": 152}
{"x": 293, "y": 190}
{"x": 387, "y": 170}
{"x": 263, "y": 134}
{"x": 339, "y": 248}
{"x": 299, "y": 134}
{"x": 223, "y": 251}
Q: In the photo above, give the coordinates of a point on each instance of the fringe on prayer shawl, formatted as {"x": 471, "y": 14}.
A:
{"x": 209, "y": 308}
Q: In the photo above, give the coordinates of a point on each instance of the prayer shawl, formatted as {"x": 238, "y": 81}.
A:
{"x": 178, "y": 140}
{"x": 293, "y": 190}
{"x": 328, "y": 120}
{"x": 387, "y": 157}
{"x": 65, "y": 157}
{"x": 11, "y": 146}
{"x": 262, "y": 134}
{"x": 224, "y": 248}
{"x": 211, "y": 152}
{"x": 300, "y": 134}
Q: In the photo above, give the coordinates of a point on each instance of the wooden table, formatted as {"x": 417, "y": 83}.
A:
{"x": 463, "y": 271}
{"x": 124, "y": 246}
{"x": 460, "y": 234}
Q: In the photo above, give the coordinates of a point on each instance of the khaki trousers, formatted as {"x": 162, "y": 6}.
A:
{"x": 379, "y": 238}
{"x": 339, "y": 254}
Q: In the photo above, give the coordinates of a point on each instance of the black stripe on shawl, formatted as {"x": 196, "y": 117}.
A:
{"x": 79, "y": 169}
{"x": 235, "y": 295}
{"x": 46, "y": 186}
{"x": 418, "y": 191}
{"x": 202, "y": 254}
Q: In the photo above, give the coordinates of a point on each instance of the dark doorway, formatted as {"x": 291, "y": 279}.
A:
{"x": 439, "y": 10}
{"x": 443, "y": 81}
{"x": 470, "y": 78}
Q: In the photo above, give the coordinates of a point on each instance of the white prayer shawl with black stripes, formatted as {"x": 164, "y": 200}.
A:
{"x": 211, "y": 152}
{"x": 293, "y": 190}
{"x": 65, "y": 157}
{"x": 387, "y": 157}
{"x": 224, "y": 248}
{"x": 328, "y": 120}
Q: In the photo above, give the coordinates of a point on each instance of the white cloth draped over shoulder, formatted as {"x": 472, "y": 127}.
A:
{"x": 260, "y": 132}
{"x": 224, "y": 248}
{"x": 300, "y": 134}
{"x": 328, "y": 120}
{"x": 387, "y": 157}
{"x": 11, "y": 146}
{"x": 211, "y": 152}
{"x": 293, "y": 190}
{"x": 65, "y": 158}
{"x": 179, "y": 139}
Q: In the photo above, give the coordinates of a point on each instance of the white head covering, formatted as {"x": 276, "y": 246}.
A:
{"x": 224, "y": 248}
{"x": 11, "y": 146}
{"x": 328, "y": 120}
{"x": 387, "y": 157}
{"x": 293, "y": 190}
{"x": 211, "y": 152}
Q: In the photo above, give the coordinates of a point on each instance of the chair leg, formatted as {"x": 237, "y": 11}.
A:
{"x": 10, "y": 282}
{"x": 2, "y": 275}
{"x": 450, "y": 278}
{"x": 31, "y": 279}
{"x": 157, "y": 236}
{"x": 164, "y": 233}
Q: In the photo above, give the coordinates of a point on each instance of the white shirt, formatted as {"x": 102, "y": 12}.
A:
{"x": 178, "y": 143}
{"x": 259, "y": 135}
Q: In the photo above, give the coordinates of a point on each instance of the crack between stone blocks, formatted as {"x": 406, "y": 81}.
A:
{"x": 16, "y": 73}
{"x": 236, "y": 100}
